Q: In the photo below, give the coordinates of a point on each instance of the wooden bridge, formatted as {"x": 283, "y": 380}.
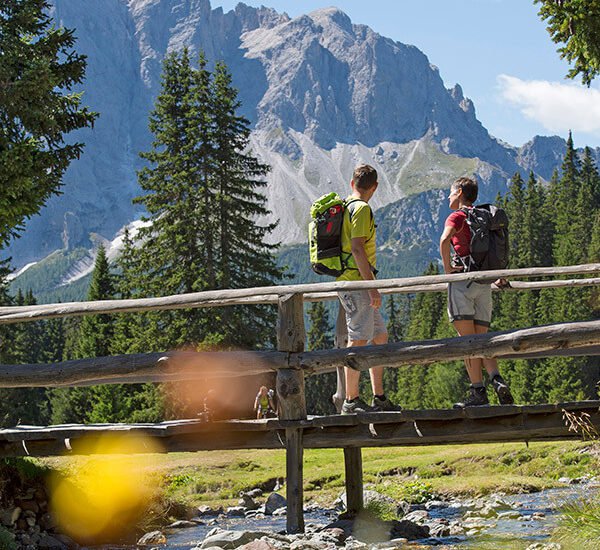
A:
{"x": 294, "y": 430}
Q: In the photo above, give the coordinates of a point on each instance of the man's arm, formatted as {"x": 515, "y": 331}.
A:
{"x": 364, "y": 268}
{"x": 445, "y": 239}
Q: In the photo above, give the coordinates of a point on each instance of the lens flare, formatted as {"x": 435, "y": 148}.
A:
{"x": 107, "y": 497}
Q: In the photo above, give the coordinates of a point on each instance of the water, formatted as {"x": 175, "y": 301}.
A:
{"x": 506, "y": 533}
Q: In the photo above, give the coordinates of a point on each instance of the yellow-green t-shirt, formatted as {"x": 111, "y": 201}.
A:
{"x": 358, "y": 224}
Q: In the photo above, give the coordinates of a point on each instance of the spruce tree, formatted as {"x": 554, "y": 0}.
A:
{"x": 21, "y": 344}
{"x": 39, "y": 71}
{"x": 243, "y": 258}
{"x": 394, "y": 324}
{"x": 203, "y": 196}
{"x": 94, "y": 339}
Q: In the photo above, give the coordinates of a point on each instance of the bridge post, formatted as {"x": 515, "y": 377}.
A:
{"x": 354, "y": 480}
{"x": 291, "y": 405}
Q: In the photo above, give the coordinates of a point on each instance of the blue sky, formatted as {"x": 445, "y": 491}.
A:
{"x": 497, "y": 50}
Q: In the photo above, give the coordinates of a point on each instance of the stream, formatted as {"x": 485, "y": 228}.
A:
{"x": 539, "y": 515}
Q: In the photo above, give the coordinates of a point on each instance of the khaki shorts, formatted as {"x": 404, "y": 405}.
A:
{"x": 468, "y": 300}
{"x": 362, "y": 321}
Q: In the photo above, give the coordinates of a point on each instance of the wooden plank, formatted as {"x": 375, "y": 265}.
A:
{"x": 215, "y": 298}
{"x": 354, "y": 480}
{"x": 294, "y": 481}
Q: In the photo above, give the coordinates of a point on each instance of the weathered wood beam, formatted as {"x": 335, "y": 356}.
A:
{"x": 216, "y": 298}
{"x": 486, "y": 424}
{"x": 512, "y": 342}
{"x": 203, "y": 365}
{"x": 354, "y": 480}
{"x": 291, "y": 405}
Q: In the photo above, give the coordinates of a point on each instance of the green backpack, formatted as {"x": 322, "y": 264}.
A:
{"x": 325, "y": 235}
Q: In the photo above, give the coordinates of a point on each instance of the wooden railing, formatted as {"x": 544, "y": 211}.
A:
{"x": 292, "y": 363}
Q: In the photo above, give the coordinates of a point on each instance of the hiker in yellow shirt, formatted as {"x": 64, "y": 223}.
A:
{"x": 363, "y": 319}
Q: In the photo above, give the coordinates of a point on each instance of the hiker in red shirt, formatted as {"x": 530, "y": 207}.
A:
{"x": 469, "y": 302}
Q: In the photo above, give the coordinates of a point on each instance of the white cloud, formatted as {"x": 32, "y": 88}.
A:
{"x": 556, "y": 106}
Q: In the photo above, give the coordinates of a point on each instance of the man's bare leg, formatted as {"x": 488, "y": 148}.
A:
{"x": 353, "y": 376}
{"x": 376, "y": 373}
{"x": 474, "y": 364}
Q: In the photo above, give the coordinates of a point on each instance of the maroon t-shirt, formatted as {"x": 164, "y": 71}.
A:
{"x": 461, "y": 241}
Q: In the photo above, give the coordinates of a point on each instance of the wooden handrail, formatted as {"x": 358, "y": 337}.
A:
{"x": 187, "y": 365}
{"x": 270, "y": 294}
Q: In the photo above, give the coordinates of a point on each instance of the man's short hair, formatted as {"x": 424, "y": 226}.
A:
{"x": 364, "y": 177}
{"x": 469, "y": 188}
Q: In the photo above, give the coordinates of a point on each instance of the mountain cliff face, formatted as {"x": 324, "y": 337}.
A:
{"x": 322, "y": 93}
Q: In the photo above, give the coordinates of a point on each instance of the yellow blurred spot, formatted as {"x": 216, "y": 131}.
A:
{"x": 106, "y": 498}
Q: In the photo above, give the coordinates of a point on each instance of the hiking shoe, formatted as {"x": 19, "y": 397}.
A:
{"x": 356, "y": 406}
{"x": 384, "y": 405}
{"x": 476, "y": 398}
{"x": 502, "y": 390}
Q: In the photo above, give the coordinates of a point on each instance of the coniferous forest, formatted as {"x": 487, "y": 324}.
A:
{"x": 202, "y": 192}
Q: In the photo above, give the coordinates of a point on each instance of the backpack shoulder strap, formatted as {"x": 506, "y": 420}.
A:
{"x": 351, "y": 210}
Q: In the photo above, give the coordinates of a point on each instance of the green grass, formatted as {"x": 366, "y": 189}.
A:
{"x": 579, "y": 526}
{"x": 414, "y": 474}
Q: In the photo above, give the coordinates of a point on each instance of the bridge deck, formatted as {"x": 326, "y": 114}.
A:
{"x": 410, "y": 427}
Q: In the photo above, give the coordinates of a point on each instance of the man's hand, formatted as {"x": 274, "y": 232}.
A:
{"x": 452, "y": 269}
{"x": 502, "y": 283}
{"x": 375, "y": 298}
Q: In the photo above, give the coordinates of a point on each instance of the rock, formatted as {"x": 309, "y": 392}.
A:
{"x": 485, "y": 512}
{"x": 47, "y": 522}
{"x": 280, "y": 511}
{"x": 438, "y": 529}
{"x": 152, "y": 538}
{"x": 306, "y": 545}
{"x": 538, "y": 515}
{"x": 208, "y": 511}
{"x": 254, "y": 493}
{"x": 28, "y": 505}
{"x": 258, "y": 545}
{"x": 183, "y": 524}
{"x": 235, "y": 511}
{"x": 511, "y": 514}
{"x": 247, "y": 502}
{"x": 67, "y": 541}
{"x": 9, "y": 516}
{"x": 344, "y": 524}
{"x": 409, "y": 530}
{"x": 430, "y": 504}
{"x": 402, "y": 508}
{"x": 475, "y": 524}
{"x": 231, "y": 539}
{"x": 417, "y": 516}
{"x": 274, "y": 502}
{"x": 544, "y": 546}
{"x": 50, "y": 542}
{"x": 30, "y": 521}
{"x": 566, "y": 480}
{"x": 337, "y": 534}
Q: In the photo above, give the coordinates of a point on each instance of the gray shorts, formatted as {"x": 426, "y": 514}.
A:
{"x": 468, "y": 300}
{"x": 362, "y": 321}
